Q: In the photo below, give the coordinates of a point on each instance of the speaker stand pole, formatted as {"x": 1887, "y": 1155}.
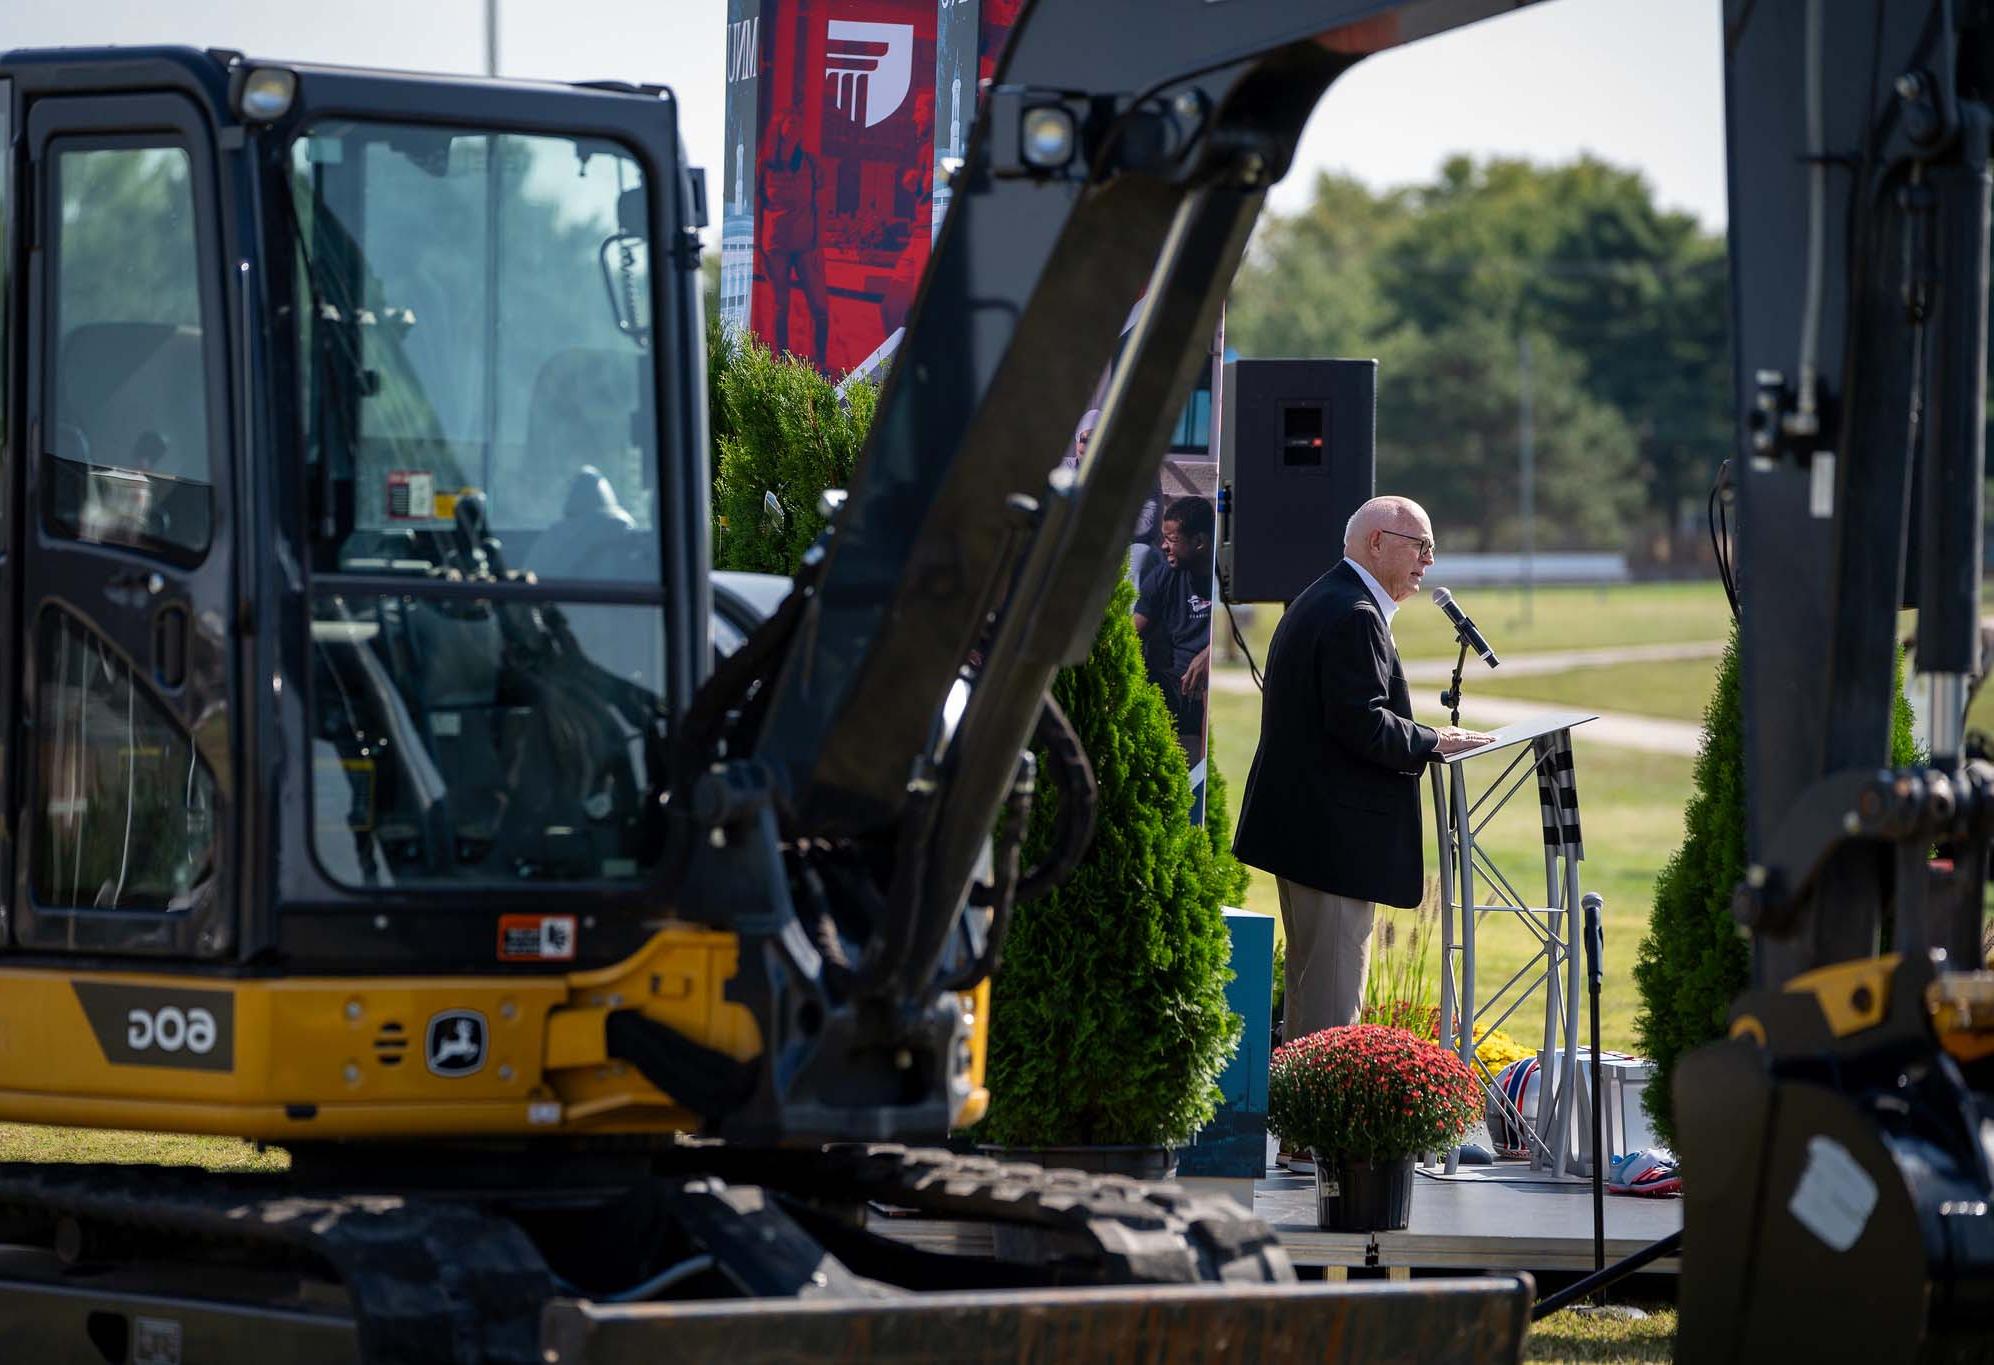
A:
{"x": 1451, "y": 698}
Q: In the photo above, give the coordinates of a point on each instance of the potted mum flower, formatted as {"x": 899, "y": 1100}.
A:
{"x": 1367, "y": 1100}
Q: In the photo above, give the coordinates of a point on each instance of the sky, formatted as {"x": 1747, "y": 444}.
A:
{"x": 1637, "y": 82}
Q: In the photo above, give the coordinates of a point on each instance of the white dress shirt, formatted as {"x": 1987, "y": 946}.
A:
{"x": 1385, "y": 602}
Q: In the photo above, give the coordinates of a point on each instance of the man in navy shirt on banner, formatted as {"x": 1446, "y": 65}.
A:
{"x": 1331, "y": 806}
{"x": 1173, "y": 614}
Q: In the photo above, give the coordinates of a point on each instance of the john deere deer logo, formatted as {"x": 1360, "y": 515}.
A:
{"x": 456, "y": 1042}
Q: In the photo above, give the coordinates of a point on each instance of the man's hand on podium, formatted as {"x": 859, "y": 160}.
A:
{"x": 1454, "y": 740}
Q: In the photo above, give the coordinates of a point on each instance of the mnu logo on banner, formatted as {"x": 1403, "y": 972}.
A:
{"x": 869, "y": 66}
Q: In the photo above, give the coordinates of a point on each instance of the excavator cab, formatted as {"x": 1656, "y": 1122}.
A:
{"x": 359, "y": 534}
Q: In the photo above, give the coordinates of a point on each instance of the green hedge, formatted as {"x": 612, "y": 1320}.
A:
{"x": 1231, "y": 875}
{"x": 1694, "y": 960}
{"x": 1109, "y": 1020}
{"x": 778, "y": 427}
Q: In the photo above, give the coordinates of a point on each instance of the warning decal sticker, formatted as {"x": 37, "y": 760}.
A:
{"x": 536, "y": 938}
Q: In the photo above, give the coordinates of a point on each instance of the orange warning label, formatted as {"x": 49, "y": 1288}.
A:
{"x": 536, "y": 938}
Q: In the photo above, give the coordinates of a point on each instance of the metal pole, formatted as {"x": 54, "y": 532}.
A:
{"x": 1444, "y": 828}
{"x": 1526, "y": 450}
{"x": 1595, "y": 951}
{"x": 1567, "y": 1108}
{"x": 491, "y": 37}
{"x": 1547, "y": 1112}
{"x": 1464, "y": 854}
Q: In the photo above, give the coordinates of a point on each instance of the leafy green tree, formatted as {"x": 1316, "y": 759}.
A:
{"x": 1580, "y": 252}
{"x": 779, "y": 428}
{"x": 1447, "y": 426}
{"x": 1312, "y": 284}
{"x": 1630, "y": 298}
{"x": 1109, "y": 1022}
{"x": 1693, "y": 961}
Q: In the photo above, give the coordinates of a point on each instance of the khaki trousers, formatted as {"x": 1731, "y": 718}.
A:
{"x": 1329, "y": 953}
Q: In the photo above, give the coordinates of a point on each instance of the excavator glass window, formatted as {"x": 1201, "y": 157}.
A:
{"x": 472, "y": 334}
{"x": 128, "y": 804}
{"x": 130, "y": 432}
{"x": 487, "y": 622}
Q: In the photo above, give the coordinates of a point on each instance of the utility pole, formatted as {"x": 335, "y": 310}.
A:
{"x": 491, "y": 37}
{"x": 1526, "y": 455}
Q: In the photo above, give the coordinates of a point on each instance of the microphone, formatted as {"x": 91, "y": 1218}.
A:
{"x": 1463, "y": 627}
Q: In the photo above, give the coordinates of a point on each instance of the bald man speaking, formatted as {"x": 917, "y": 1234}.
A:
{"x": 1332, "y": 804}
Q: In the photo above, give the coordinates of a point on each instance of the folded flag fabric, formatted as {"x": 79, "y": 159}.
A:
{"x": 1650, "y": 1173}
{"x": 1517, "y": 1085}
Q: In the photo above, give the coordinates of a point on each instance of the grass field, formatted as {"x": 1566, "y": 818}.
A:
{"x": 1556, "y": 618}
{"x": 34, "y": 1142}
{"x": 1980, "y": 715}
{"x": 1674, "y": 689}
{"x": 1572, "y": 1336}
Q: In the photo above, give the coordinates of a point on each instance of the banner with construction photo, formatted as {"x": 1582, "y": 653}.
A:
{"x": 842, "y": 116}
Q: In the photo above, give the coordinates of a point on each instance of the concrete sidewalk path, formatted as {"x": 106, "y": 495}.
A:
{"x": 1559, "y": 660}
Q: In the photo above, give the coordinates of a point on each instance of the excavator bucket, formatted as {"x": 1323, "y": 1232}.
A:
{"x": 1460, "y": 1321}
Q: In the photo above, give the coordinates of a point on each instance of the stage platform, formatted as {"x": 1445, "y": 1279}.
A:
{"x": 1500, "y": 1217}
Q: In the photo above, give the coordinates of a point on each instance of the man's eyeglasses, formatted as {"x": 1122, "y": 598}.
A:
{"x": 1425, "y": 544}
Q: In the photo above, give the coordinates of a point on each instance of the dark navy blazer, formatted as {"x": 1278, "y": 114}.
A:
{"x": 1333, "y": 798}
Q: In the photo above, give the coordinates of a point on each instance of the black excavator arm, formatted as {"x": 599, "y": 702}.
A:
{"x": 1123, "y": 155}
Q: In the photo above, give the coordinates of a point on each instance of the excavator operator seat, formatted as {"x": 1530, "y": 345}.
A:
{"x": 584, "y": 411}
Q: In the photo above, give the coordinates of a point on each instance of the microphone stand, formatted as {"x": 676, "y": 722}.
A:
{"x": 1451, "y": 698}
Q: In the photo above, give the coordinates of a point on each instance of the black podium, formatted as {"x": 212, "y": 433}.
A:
{"x": 1534, "y": 752}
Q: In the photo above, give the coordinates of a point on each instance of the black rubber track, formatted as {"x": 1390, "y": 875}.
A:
{"x": 435, "y": 1280}
{"x": 432, "y": 1282}
{"x": 1136, "y": 1232}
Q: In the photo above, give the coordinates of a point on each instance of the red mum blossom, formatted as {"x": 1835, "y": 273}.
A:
{"x": 1370, "y": 1092}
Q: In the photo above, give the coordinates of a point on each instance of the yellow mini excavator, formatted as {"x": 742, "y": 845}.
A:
{"x": 370, "y": 787}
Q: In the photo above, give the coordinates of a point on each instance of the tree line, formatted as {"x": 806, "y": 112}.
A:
{"x": 1501, "y": 275}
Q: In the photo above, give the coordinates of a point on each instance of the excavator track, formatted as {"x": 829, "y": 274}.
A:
{"x": 435, "y": 1276}
{"x": 427, "y": 1280}
{"x": 1108, "y": 1229}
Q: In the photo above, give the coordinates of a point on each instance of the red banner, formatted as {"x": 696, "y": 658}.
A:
{"x": 834, "y": 139}
{"x": 843, "y": 175}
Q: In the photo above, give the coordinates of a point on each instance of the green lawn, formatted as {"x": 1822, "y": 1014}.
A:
{"x": 1556, "y": 618}
{"x": 35, "y": 1142}
{"x": 1675, "y": 689}
{"x": 1980, "y": 715}
{"x": 1571, "y": 1336}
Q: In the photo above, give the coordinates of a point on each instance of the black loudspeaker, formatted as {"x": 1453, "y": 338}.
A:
{"x": 1298, "y": 453}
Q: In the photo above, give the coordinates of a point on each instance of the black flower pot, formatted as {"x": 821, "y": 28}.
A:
{"x": 1363, "y": 1196}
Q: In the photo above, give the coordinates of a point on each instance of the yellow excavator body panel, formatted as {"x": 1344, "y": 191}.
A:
{"x": 373, "y": 1057}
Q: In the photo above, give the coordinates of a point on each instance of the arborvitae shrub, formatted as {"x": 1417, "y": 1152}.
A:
{"x": 1232, "y": 875}
{"x": 778, "y": 427}
{"x": 1693, "y": 961}
{"x": 1109, "y": 1021}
